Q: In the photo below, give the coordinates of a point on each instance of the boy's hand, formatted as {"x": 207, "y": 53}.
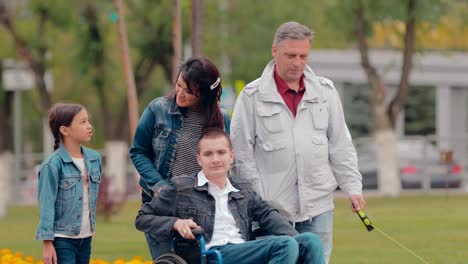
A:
{"x": 184, "y": 227}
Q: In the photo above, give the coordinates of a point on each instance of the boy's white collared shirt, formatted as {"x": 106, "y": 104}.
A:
{"x": 225, "y": 229}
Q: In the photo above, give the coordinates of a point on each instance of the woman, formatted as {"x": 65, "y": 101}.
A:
{"x": 165, "y": 142}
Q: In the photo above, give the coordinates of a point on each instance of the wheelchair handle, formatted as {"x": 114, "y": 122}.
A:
{"x": 196, "y": 232}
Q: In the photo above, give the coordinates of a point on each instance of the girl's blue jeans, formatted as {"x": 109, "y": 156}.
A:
{"x": 72, "y": 251}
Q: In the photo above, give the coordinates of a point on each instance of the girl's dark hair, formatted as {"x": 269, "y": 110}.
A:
{"x": 201, "y": 77}
{"x": 62, "y": 114}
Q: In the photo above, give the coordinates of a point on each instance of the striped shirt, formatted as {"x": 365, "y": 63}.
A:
{"x": 185, "y": 160}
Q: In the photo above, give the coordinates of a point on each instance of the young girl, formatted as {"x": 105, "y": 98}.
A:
{"x": 68, "y": 188}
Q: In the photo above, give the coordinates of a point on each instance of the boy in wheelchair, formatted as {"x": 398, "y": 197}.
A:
{"x": 225, "y": 208}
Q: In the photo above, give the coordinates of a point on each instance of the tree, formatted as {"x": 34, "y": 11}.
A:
{"x": 132, "y": 100}
{"x": 243, "y": 31}
{"x": 99, "y": 62}
{"x": 33, "y": 50}
{"x": 176, "y": 38}
{"x": 6, "y": 137}
{"x": 198, "y": 10}
{"x": 93, "y": 64}
{"x": 5, "y": 148}
{"x": 384, "y": 109}
{"x": 447, "y": 33}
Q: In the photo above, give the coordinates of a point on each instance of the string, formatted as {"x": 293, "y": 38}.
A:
{"x": 396, "y": 242}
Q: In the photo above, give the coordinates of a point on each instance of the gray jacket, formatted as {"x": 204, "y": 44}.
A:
{"x": 183, "y": 199}
{"x": 294, "y": 162}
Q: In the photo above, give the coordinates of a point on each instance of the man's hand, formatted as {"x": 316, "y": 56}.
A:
{"x": 184, "y": 227}
{"x": 48, "y": 254}
{"x": 357, "y": 202}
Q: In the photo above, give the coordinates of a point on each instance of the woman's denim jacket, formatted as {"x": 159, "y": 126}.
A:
{"x": 184, "y": 199}
{"x": 155, "y": 142}
{"x": 60, "y": 193}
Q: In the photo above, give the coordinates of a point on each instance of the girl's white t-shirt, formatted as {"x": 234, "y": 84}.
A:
{"x": 85, "y": 230}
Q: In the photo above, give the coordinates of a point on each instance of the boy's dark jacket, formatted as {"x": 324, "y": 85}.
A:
{"x": 184, "y": 199}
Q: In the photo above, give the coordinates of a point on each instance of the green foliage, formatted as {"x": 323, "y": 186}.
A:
{"x": 238, "y": 37}
{"x": 153, "y": 19}
{"x": 244, "y": 31}
{"x": 60, "y": 14}
{"x": 6, "y": 46}
{"x": 343, "y": 17}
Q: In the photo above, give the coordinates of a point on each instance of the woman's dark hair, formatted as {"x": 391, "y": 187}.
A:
{"x": 203, "y": 80}
{"x": 62, "y": 114}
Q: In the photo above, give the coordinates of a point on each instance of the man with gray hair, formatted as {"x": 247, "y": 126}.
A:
{"x": 290, "y": 137}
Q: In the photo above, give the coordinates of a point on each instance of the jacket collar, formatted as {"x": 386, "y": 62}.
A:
{"x": 268, "y": 92}
{"x": 201, "y": 184}
{"x": 65, "y": 156}
{"x": 174, "y": 109}
{"x": 313, "y": 92}
{"x": 202, "y": 180}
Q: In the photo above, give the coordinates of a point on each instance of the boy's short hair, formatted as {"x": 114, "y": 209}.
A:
{"x": 212, "y": 133}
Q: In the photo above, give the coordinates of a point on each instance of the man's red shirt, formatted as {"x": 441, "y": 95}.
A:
{"x": 291, "y": 98}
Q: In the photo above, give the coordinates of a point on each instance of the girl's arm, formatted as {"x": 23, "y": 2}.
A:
{"x": 47, "y": 195}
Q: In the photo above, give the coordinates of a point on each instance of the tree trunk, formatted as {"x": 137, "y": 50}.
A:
{"x": 176, "y": 39}
{"x": 398, "y": 101}
{"x": 384, "y": 134}
{"x": 197, "y": 27}
{"x": 6, "y": 131}
{"x": 385, "y": 144}
{"x": 127, "y": 65}
{"x": 116, "y": 168}
{"x": 6, "y": 161}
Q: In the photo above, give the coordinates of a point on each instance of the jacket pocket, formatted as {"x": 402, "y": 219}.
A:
{"x": 95, "y": 179}
{"x": 270, "y": 117}
{"x": 95, "y": 176}
{"x": 319, "y": 140}
{"x": 161, "y": 140}
{"x": 271, "y": 145}
{"x": 272, "y": 123}
{"x": 197, "y": 215}
{"x": 320, "y": 116}
{"x": 67, "y": 187}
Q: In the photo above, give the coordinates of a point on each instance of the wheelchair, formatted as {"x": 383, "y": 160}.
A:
{"x": 189, "y": 251}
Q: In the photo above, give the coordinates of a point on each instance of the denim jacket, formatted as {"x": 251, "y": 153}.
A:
{"x": 60, "y": 193}
{"x": 155, "y": 142}
{"x": 183, "y": 199}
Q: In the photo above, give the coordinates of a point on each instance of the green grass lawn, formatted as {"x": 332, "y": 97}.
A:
{"x": 433, "y": 227}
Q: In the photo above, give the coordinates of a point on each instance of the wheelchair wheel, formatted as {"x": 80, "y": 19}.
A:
{"x": 169, "y": 258}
